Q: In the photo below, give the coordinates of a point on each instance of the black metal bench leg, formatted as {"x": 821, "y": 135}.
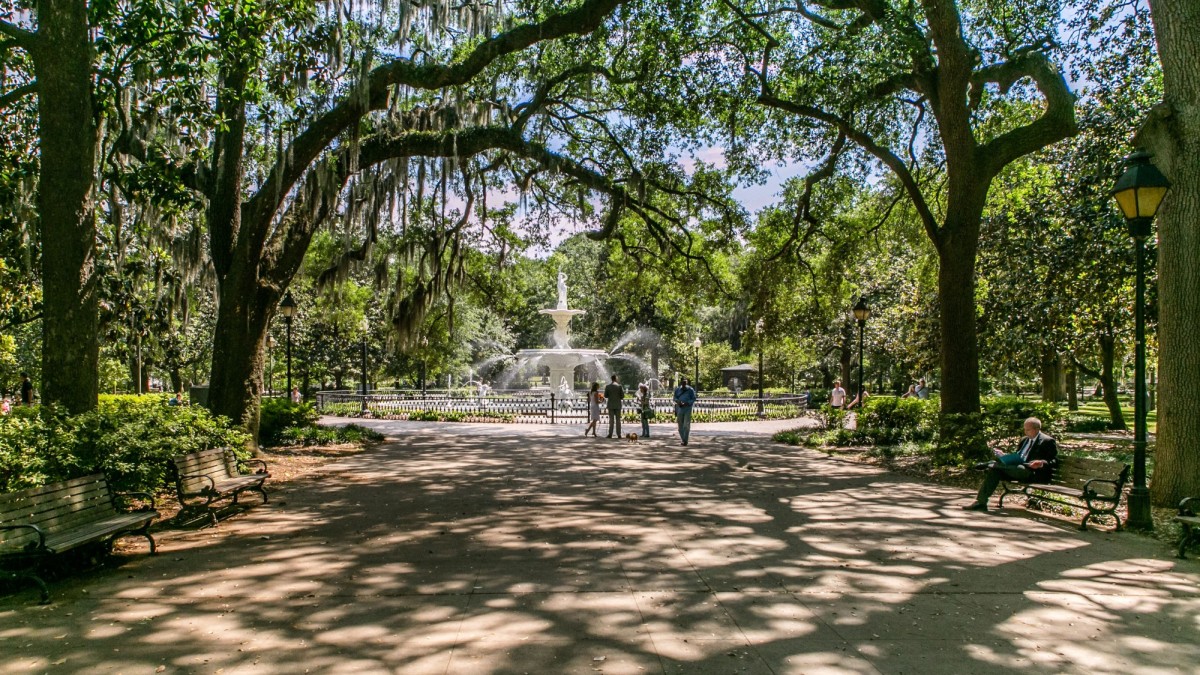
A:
{"x": 1087, "y": 516}
{"x": 1186, "y": 539}
{"x": 263, "y": 492}
{"x": 145, "y": 532}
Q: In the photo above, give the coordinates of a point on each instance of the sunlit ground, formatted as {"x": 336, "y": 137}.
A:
{"x": 511, "y": 549}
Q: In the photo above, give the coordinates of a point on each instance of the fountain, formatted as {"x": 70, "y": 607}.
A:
{"x": 562, "y": 359}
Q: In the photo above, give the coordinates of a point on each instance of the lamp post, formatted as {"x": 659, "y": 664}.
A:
{"x": 1139, "y": 192}
{"x": 696, "y": 382}
{"x": 758, "y": 333}
{"x": 271, "y": 364}
{"x": 288, "y": 308}
{"x": 424, "y": 344}
{"x": 861, "y": 312}
{"x": 366, "y": 326}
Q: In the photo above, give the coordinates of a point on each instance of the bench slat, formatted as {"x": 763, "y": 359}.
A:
{"x": 35, "y": 513}
{"x": 98, "y": 530}
{"x": 17, "y": 501}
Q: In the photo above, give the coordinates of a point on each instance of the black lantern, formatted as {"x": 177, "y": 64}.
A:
{"x": 288, "y": 309}
{"x": 696, "y": 345}
{"x": 1138, "y": 193}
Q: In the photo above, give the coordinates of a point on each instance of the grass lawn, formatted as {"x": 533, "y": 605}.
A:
{"x": 1096, "y": 408}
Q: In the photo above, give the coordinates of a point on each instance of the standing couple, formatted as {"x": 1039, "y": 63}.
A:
{"x": 613, "y": 394}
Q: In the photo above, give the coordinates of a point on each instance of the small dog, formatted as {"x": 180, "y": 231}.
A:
{"x": 632, "y": 438}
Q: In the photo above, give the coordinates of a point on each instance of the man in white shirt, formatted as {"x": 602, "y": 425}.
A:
{"x": 837, "y": 397}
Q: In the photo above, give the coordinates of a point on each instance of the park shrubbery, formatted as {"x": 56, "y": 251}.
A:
{"x": 279, "y": 415}
{"x": 888, "y": 420}
{"x": 315, "y": 435}
{"x": 128, "y": 438}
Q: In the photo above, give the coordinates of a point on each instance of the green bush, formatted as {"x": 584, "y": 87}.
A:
{"x": 831, "y": 417}
{"x": 128, "y": 438}
{"x": 279, "y": 414}
{"x": 888, "y": 420}
{"x": 1005, "y": 416}
{"x": 315, "y": 435}
{"x": 1084, "y": 424}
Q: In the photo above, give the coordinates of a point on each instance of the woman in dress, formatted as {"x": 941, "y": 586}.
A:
{"x": 593, "y": 402}
{"x": 643, "y": 401}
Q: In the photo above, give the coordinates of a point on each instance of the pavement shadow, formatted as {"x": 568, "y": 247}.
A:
{"x": 453, "y": 553}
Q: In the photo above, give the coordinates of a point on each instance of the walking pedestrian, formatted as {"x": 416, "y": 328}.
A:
{"x": 837, "y": 397}
{"x": 613, "y": 394}
{"x": 685, "y": 400}
{"x": 593, "y": 404}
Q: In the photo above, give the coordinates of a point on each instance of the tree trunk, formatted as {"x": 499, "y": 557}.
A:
{"x": 1108, "y": 350}
{"x": 1051, "y": 376}
{"x": 1173, "y": 135}
{"x": 959, "y": 346}
{"x": 1072, "y": 388}
{"x": 62, "y": 59}
{"x": 235, "y": 386}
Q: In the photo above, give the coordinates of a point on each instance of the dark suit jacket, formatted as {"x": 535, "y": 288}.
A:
{"x": 1044, "y": 448}
{"x": 613, "y": 394}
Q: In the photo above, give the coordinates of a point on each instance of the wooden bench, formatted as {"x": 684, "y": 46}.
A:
{"x": 212, "y": 475}
{"x": 1189, "y": 520}
{"x": 1097, "y": 483}
{"x": 41, "y": 522}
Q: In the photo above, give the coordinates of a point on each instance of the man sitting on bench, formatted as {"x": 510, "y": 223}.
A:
{"x": 1033, "y": 462}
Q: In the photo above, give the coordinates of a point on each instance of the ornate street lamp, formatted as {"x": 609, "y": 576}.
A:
{"x": 1139, "y": 192}
{"x": 424, "y": 344}
{"x": 271, "y": 364}
{"x": 758, "y": 333}
{"x": 366, "y": 326}
{"x": 696, "y": 382}
{"x": 288, "y": 309}
{"x": 861, "y": 312}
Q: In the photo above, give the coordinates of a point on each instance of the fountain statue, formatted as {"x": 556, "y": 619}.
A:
{"x": 562, "y": 359}
{"x": 562, "y": 290}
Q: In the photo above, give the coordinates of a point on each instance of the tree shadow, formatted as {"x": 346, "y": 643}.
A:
{"x": 507, "y": 552}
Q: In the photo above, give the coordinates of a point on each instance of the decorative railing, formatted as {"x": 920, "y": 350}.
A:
{"x": 540, "y": 408}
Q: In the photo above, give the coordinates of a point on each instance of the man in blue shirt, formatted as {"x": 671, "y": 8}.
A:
{"x": 685, "y": 400}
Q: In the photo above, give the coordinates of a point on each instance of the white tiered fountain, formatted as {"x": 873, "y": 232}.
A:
{"x": 562, "y": 359}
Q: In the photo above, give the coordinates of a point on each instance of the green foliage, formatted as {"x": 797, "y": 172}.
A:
{"x": 128, "y": 438}
{"x": 1086, "y": 424}
{"x": 831, "y": 417}
{"x": 1005, "y": 415}
{"x": 317, "y": 435}
{"x": 279, "y": 414}
{"x": 888, "y": 420}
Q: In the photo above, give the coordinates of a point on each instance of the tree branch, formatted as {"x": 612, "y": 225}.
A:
{"x": 866, "y": 142}
{"x": 1056, "y": 122}
{"x": 17, "y": 94}
{"x": 306, "y": 147}
{"x": 25, "y": 39}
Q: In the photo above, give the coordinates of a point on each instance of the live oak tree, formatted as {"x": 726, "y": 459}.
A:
{"x": 1172, "y": 134}
{"x": 57, "y": 41}
{"x": 924, "y": 89}
{"x": 384, "y": 138}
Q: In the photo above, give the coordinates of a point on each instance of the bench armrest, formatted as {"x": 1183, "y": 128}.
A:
{"x": 144, "y": 495}
{"x": 212, "y": 484}
{"x": 1190, "y": 506}
{"x": 1087, "y": 487}
{"x": 261, "y": 463}
{"x": 41, "y": 542}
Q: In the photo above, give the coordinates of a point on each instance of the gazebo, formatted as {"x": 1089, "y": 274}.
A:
{"x": 744, "y": 376}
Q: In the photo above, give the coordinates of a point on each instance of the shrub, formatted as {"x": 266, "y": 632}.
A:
{"x": 128, "y": 438}
{"x": 831, "y": 417}
{"x": 279, "y": 414}
{"x": 890, "y": 420}
{"x": 315, "y": 435}
{"x": 1084, "y": 424}
{"x": 1004, "y": 416}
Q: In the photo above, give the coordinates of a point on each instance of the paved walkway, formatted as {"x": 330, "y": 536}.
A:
{"x": 470, "y": 549}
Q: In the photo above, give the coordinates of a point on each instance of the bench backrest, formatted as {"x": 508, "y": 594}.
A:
{"x": 55, "y": 507}
{"x": 1073, "y": 472}
{"x": 214, "y": 462}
